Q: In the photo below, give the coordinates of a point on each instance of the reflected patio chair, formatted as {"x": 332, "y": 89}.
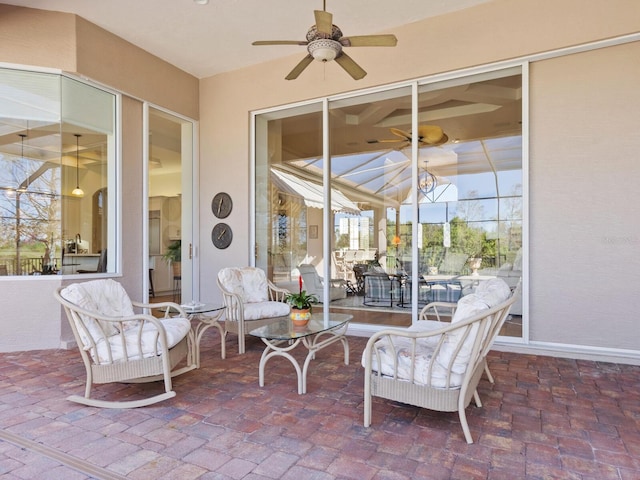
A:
{"x": 314, "y": 283}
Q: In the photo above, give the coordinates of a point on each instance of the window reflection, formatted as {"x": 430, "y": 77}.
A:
{"x": 464, "y": 221}
{"x": 57, "y": 143}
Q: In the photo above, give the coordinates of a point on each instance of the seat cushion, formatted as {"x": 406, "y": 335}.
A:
{"x": 268, "y": 309}
{"x": 176, "y": 329}
{"x": 402, "y": 347}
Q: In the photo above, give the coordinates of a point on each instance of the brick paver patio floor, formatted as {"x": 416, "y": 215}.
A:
{"x": 544, "y": 418}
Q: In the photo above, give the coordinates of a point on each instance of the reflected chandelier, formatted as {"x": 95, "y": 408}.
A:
{"x": 427, "y": 183}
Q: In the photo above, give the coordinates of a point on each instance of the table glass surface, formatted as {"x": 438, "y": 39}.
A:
{"x": 201, "y": 307}
{"x": 284, "y": 329}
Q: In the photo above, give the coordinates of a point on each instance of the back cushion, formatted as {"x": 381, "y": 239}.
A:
{"x": 231, "y": 280}
{"x": 468, "y": 306}
{"x": 106, "y": 297}
{"x": 254, "y": 282}
{"x": 493, "y": 291}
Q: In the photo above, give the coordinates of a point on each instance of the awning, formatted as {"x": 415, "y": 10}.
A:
{"x": 312, "y": 193}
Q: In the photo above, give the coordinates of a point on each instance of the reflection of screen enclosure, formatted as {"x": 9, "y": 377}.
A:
{"x": 452, "y": 192}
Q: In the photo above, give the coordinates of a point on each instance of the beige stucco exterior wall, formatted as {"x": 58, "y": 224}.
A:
{"x": 565, "y": 304}
{"x": 585, "y": 232}
{"x": 31, "y": 37}
{"x": 568, "y": 287}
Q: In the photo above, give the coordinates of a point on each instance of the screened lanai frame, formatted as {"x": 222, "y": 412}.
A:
{"x": 323, "y": 107}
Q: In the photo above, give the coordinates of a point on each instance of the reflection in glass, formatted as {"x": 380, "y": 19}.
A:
{"x": 58, "y": 133}
{"x": 453, "y": 213}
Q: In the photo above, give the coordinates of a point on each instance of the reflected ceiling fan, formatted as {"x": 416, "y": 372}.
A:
{"x": 325, "y": 43}
{"x": 428, "y": 136}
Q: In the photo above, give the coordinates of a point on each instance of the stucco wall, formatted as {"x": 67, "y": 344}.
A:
{"x": 566, "y": 303}
{"x": 583, "y": 138}
{"x": 585, "y": 232}
{"x": 33, "y": 319}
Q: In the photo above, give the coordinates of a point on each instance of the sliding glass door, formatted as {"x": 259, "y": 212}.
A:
{"x": 424, "y": 193}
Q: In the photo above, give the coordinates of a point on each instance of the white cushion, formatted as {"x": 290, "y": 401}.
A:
{"x": 269, "y": 309}
{"x": 493, "y": 291}
{"x": 468, "y": 306}
{"x": 106, "y": 297}
{"x": 254, "y": 282}
{"x": 423, "y": 359}
{"x": 249, "y": 283}
{"x": 231, "y": 280}
{"x": 176, "y": 329}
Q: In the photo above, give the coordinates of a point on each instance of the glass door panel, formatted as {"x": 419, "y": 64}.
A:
{"x": 371, "y": 246}
{"x": 170, "y": 212}
{"x": 425, "y": 202}
{"x": 289, "y": 195}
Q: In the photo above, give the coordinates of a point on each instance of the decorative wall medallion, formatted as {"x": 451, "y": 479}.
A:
{"x": 221, "y": 235}
{"x": 221, "y": 205}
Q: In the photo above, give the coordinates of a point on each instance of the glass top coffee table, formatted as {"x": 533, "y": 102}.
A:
{"x": 282, "y": 336}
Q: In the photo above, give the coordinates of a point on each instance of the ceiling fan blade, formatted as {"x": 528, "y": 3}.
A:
{"x": 280, "y": 42}
{"x": 350, "y": 66}
{"x": 324, "y": 22}
{"x": 297, "y": 70}
{"x": 401, "y": 133}
{"x": 370, "y": 41}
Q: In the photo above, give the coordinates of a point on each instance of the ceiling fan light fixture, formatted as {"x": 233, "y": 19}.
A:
{"x": 324, "y": 50}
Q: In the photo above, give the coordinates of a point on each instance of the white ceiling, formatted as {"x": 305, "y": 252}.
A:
{"x": 205, "y": 40}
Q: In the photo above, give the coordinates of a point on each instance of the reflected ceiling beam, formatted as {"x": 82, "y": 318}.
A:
{"x": 370, "y": 115}
{"x": 440, "y": 113}
{"x": 484, "y": 93}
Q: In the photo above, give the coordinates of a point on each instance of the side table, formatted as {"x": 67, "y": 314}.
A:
{"x": 213, "y": 311}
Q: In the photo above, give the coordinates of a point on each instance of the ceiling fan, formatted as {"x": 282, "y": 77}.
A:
{"x": 428, "y": 136}
{"x": 325, "y": 43}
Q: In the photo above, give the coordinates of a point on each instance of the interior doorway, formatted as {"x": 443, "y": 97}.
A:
{"x": 170, "y": 213}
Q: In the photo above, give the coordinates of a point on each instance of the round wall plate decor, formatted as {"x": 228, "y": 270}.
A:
{"x": 221, "y": 205}
{"x": 221, "y": 235}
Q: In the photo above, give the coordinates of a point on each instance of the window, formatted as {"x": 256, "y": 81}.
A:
{"x": 57, "y": 164}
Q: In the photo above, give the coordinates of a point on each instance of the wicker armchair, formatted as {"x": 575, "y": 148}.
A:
{"x": 249, "y": 298}
{"x": 433, "y": 364}
{"x": 118, "y": 345}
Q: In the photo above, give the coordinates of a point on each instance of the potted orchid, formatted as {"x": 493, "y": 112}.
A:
{"x": 301, "y": 303}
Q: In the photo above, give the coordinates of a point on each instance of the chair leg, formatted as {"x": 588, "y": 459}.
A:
{"x": 465, "y": 425}
{"x": 241, "y": 343}
{"x": 367, "y": 401}
{"x": 489, "y": 376}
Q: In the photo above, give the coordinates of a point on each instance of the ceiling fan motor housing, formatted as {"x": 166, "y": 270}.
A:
{"x": 324, "y": 50}
{"x": 313, "y": 34}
